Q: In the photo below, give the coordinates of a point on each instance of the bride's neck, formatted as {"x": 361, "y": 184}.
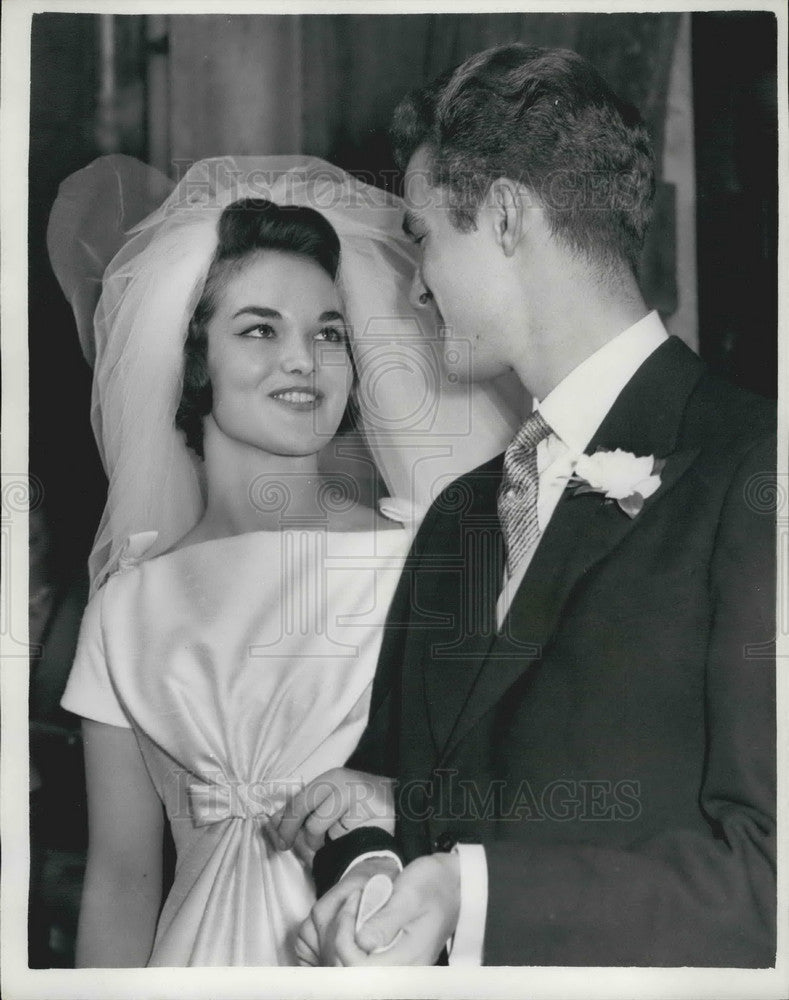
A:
{"x": 248, "y": 489}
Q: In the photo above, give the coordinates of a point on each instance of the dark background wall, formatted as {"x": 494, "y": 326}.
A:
{"x": 172, "y": 89}
{"x": 737, "y": 190}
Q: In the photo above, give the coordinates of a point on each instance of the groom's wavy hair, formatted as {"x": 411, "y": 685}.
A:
{"x": 544, "y": 118}
{"x": 246, "y": 227}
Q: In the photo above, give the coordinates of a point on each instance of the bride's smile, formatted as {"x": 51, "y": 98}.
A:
{"x": 298, "y": 398}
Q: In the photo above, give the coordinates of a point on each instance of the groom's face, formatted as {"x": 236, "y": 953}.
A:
{"x": 461, "y": 273}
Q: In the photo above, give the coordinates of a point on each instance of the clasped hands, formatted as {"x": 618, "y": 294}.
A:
{"x": 425, "y": 902}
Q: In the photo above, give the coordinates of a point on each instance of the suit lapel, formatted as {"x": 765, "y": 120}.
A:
{"x": 462, "y": 587}
{"x": 583, "y": 530}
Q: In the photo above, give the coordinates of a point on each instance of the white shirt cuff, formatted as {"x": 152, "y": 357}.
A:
{"x": 465, "y": 947}
{"x": 378, "y": 854}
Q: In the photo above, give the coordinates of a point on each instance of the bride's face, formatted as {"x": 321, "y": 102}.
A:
{"x": 277, "y": 356}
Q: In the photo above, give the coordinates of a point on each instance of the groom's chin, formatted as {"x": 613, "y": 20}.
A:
{"x": 469, "y": 374}
{"x": 462, "y": 367}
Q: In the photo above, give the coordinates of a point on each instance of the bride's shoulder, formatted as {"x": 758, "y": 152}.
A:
{"x": 194, "y": 536}
{"x": 137, "y": 548}
{"x": 358, "y": 518}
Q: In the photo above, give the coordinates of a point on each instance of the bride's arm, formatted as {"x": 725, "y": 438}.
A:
{"x": 121, "y": 895}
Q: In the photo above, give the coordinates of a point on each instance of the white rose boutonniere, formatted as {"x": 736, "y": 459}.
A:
{"x": 620, "y": 476}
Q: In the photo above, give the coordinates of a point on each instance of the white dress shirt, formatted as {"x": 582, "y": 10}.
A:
{"x": 574, "y": 409}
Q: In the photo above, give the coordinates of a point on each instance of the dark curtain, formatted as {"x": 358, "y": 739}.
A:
{"x": 67, "y": 131}
{"x": 357, "y": 67}
{"x": 736, "y": 124}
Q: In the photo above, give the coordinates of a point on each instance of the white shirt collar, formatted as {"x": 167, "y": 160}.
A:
{"x": 577, "y": 406}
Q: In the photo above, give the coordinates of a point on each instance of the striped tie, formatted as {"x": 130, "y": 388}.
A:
{"x": 517, "y": 499}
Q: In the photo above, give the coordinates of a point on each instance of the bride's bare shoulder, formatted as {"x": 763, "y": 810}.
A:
{"x": 194, "y": 536}
{"x": 362, "y": 518}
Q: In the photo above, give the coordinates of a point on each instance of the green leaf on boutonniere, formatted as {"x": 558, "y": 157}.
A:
{"x": 631, "y": 505}
{"x": 658, "y": 465}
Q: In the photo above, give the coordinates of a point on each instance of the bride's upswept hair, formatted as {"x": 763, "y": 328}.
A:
{"x": 245, "y": 228}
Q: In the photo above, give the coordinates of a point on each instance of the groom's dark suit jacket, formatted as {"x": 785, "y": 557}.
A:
{"x": 613, "y": 748}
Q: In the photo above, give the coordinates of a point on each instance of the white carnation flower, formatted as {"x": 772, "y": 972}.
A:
{"x": 619, "y": 474}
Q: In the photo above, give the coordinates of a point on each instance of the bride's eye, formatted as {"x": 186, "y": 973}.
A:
{"x": 261, "y": 331}
{"x": 332, "y": 334}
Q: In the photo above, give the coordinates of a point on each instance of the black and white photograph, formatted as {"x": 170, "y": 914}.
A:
{"x": 395, "y": 502}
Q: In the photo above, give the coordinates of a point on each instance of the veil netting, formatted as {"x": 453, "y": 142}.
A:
{"x": 133, "y": 266}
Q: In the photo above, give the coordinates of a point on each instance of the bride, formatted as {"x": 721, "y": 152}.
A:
{"x": 240, "y": 581}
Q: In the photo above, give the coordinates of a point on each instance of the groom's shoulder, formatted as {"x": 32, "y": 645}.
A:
{"x": 479, "y": 481}
{"x": 474, "y": 490}
{"x": 723, "y": 417}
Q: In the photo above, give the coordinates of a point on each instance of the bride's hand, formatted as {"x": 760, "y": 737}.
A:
{"x": 336, "y": 802}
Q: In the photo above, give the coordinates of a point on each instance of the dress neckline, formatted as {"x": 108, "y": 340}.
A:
{"x": 138, "y": 544}
{"x": 403, "y": 515}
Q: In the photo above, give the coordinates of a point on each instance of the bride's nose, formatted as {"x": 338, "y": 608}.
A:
{"x": 298, "y": 356}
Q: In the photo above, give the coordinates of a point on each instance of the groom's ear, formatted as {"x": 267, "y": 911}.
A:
{"x": 510, "y": 202}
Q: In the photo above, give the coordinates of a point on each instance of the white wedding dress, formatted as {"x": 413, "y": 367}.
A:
{"x": 244, "y": 667}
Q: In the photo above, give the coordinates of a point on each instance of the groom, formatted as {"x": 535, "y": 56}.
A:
{"x": 575, "y": 694}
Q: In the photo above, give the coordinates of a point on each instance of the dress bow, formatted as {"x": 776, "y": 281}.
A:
{"x": 215, "y": 802}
